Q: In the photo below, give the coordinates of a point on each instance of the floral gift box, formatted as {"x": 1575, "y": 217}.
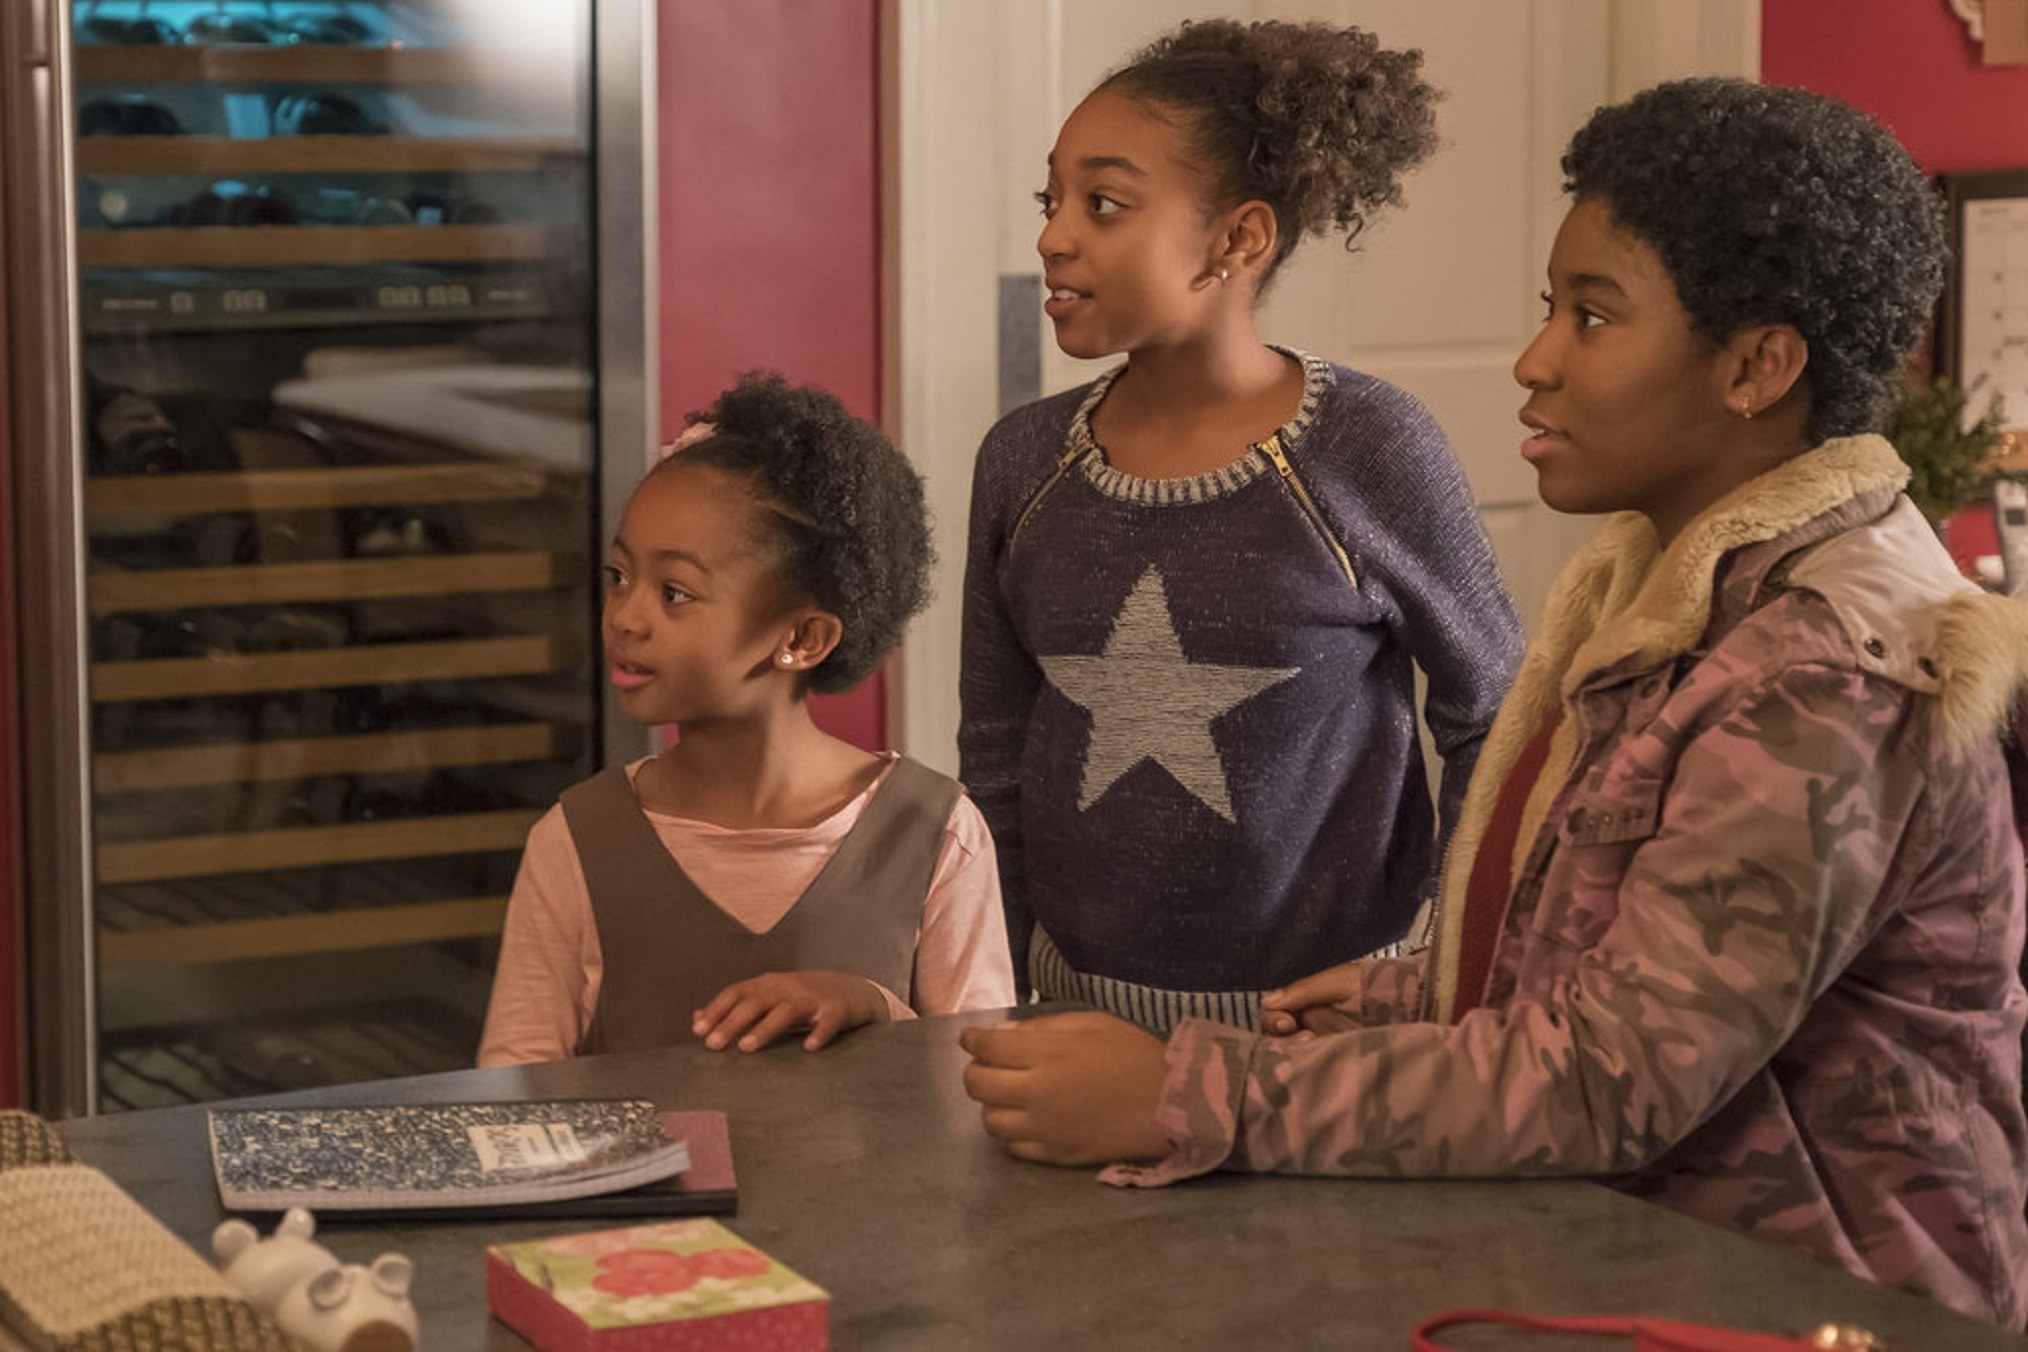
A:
{"x": 675, "y": 1286}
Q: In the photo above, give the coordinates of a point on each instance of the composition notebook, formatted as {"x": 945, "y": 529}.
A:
{"x": 551, "y": 1157}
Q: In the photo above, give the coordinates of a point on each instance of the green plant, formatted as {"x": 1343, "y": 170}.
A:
{"x": 1946, "y": 458}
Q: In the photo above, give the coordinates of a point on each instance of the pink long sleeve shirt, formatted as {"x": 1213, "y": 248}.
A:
{"x": 547, "y": 983}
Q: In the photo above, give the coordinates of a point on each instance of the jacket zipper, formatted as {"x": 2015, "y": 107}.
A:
{"x": 1272, "y": 449}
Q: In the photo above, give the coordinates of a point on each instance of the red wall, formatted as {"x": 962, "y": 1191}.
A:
{"x": 770, "y": 217}
{"x": 1916, "y": 68}
{"x": 1910, "y": 63}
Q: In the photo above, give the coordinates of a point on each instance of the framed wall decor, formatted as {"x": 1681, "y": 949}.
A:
{"x": 1982, "y": 342}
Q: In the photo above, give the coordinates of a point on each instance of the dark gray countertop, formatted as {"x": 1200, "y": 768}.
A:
{"x": 864, "y": 1168}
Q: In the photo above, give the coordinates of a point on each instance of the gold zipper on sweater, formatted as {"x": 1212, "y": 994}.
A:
{"x": 1272, "y": 449}
{"x": 1063, "y": 464}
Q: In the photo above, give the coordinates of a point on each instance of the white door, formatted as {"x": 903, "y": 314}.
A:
{"x": 1439, "y": 297}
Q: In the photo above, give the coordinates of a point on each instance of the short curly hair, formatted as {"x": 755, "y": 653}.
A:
{"x": 844, "y": 510}
{"x": 1317, "y": 121}
{"x": 1772, "y": 205}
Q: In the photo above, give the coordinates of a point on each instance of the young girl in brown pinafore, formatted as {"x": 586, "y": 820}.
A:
{"x": 759, "y": 874}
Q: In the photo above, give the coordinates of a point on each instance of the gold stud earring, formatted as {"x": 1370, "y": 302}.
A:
{"x": 1225, "y": 274}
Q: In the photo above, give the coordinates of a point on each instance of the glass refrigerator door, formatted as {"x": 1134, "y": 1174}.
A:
{"x": 339, "y": 325}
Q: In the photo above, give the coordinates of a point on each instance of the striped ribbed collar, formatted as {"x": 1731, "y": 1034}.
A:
{"x": 1212, "y": 484}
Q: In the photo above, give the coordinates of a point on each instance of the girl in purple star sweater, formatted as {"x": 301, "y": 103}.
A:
{"x": 1199, "y": 587}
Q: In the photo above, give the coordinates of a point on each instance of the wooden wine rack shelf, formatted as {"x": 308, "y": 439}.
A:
{"x": 281, "y": 490}
{"x": 309, "y": 63}
{"x": 303, "y": 758}
{"x": 364, "y": 664}
{"x": 292, "y": 935}
{"x": 509, "y": 524}
{"x": 109, "y": 592}
{"x": 317, "y": 154}
{"x": 212, "y": 246}
{"x": 144, "y": 861}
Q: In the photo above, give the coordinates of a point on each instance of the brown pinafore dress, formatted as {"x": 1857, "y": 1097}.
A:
{"x": 668, "y": 949}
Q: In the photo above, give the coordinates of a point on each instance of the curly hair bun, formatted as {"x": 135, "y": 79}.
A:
{"x": 1772, "y": 205}
{"x": 1317, "y": 121}
{"x": 844, "y": 507}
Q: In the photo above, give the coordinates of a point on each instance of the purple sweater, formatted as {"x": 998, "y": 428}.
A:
{"x": 1188, "y": 704}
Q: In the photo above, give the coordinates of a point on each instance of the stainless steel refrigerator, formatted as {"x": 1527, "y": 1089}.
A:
{"x": 330, "y": 342}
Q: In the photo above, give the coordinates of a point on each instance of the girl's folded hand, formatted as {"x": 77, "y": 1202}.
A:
{"x": 760, "y": 1009}
{"x": 1324, "y": 1002}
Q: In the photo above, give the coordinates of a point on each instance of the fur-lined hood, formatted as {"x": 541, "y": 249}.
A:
{"x": 1828, "y": 521}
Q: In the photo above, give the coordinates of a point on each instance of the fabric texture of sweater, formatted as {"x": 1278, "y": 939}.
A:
{"x": 1188, "y": 704}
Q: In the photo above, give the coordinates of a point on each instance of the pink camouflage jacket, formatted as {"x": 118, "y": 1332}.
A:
{"x": 1760, "y": 961}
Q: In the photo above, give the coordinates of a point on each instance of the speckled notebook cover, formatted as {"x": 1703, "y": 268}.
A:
{"x": 403, "y": 1157}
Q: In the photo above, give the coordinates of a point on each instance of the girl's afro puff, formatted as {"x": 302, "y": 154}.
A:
{"x": 844, "y": 506}
{"x": 1319, "y": 122}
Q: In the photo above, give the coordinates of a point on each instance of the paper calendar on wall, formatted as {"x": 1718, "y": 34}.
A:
{"x": 1984, "y": 340}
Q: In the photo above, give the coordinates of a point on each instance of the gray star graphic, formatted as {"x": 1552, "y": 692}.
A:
{"x": 1148, "y": 702}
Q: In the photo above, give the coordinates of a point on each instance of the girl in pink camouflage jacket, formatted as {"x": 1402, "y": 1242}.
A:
{"x": 1734, "y": 913}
